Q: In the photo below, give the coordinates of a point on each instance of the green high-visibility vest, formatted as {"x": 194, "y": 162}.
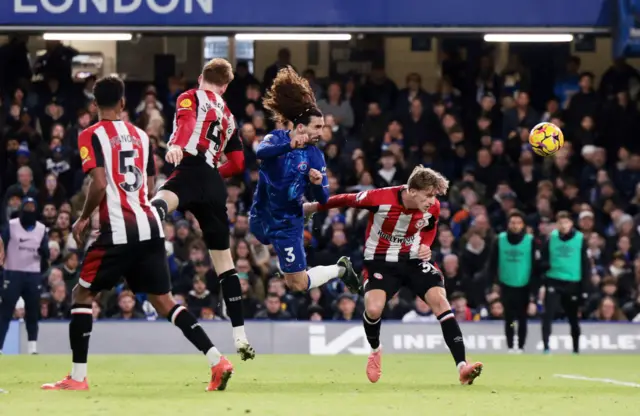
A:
{"x": 514, "y": 260}
{"x": 565, "y": 257}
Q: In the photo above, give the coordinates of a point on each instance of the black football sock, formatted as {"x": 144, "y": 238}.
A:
{"x": 453, "y": 336}
{"x": 232, "y": 294}
{"x": 79, "y": 334}
{"x": 372, "y": 330}
{"x": 183, "y": 319}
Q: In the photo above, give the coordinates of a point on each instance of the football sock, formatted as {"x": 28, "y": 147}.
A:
{"x": 453, "y": 336}
{"x": 320, "y": 275}
{"x": 372, "y": 330}
{"x": 183, "y": 319}
{"x": 79, "y": 334}
{"x": 232, "y": 294}
{"x": 32, "y": 347}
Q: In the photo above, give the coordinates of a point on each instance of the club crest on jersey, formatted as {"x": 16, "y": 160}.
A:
{"x": 303, "y": 167}
{"x": 186, "y": 103}
{"x": 423, "y": 222}
{"x": 84, "y": 152}
{"x": 377, "y": 276}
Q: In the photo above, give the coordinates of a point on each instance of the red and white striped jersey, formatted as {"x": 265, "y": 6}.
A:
{"x": 204, "y": 126}
{"x": 124, "y": 151}
{"x": 394, "y": 233}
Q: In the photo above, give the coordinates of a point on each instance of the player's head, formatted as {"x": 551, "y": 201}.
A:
{"x": 516, "y": 221}
{"x": 217, "y": 73}
{"x": 109, "y": 94}
{"x": 425, "y": 185}
{"x": 291, "y": 100}
{"x": 564, "y": 222}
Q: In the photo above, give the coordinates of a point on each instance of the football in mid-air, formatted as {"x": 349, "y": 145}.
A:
{"x": 546, "y": 139}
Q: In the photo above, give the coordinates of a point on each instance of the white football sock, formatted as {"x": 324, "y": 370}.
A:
{"x": 320, "y": 275}
{"x": 79, "y": 371}
{"x": 460, "y": 365}
{"x": 213, "y": 355}
{"x": 238, "y": 333}
{"x": 32, "y": 347}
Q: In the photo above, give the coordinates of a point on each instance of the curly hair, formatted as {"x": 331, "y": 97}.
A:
{"x": 290, "y": 98}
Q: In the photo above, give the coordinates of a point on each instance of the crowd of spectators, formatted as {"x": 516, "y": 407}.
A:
{"x": 473, "y": 127}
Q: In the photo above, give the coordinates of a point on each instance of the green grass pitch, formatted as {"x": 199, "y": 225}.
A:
{"x": 278, "y": 385}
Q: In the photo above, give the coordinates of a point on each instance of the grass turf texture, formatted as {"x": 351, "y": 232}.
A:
{"x": 278, "y": 385}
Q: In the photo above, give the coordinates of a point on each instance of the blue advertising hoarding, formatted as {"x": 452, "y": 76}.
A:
{"x": 585, "y": 14}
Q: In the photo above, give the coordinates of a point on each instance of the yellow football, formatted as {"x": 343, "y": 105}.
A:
{"x": 546, "y": 139}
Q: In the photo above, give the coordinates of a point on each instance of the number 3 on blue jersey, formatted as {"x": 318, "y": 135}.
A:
{"x": 290, "y": 256}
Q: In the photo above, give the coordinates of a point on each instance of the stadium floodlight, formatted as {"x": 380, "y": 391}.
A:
{"x": 293, "y": 36}
{"x": 528, "y": 37}
{"x": 88, "y": 36}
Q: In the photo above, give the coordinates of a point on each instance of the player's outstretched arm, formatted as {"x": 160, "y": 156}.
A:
{"x": 275, "y": 145}
{"x": 365, "y": 199}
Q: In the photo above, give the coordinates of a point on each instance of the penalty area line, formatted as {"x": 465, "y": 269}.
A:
{"x": 598, "y": 380}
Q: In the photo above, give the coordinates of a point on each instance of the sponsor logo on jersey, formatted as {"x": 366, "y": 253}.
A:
{"x": 303, "y": 167}
{"x": 186, "y": 103}
{"x": 377, "y": 276}
{"x": 84, "y": 152}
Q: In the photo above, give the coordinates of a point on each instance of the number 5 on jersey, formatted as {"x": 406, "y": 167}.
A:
{"x": 127, "y": 168}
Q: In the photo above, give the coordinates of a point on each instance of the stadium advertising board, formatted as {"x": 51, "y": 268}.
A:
{"x": 275, "y": 14}
{"x": 332, "y": 338}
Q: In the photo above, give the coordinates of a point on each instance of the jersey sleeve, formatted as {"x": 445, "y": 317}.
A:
{"x": 364, "y": 199}
{"x": 320, "y": 192}
{"x": 273, "y": 145}
{"x": 90, "y": 151}
{"x": 186, "y": 114}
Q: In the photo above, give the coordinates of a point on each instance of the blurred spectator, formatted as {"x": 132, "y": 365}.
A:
{"x": 199, "y": 297}
{"x": 284, "y": 59}
{"x": 421, "y": 312}
{"x": 337, "y": 106}
{"x": 126, "y": 307}
{"x": 273, "y": 309}
{"x": 346, "y": 308}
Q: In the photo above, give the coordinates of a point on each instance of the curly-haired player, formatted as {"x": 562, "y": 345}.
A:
{"x": 402, "y": 226}
{"x": 292, "y": 167}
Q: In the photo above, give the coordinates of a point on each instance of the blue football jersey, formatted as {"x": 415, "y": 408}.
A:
{"x": 284, "y": 181}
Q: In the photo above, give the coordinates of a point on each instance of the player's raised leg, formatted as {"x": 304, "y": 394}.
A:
{"x": 436, "y": 298}
{"x": 289, "y": 247}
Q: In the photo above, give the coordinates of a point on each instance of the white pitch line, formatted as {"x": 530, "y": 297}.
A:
{"x": 598, "y": 380}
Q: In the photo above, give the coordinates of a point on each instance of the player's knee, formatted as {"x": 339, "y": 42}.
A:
{"x": 162, "y": 207}
{"x": 297, "y": 282}
{"x": 162, "y": 304}
{"x": 170, "y": 198}
{"x": 81, "y": 295}
{"x": 374, "y": 309}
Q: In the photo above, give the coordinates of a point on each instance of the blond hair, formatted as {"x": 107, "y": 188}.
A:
{"x": 218, "y": 72}
{"x": 426, "y": 179}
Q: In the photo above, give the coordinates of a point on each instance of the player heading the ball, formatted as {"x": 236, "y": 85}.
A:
{"x": 291, "y": 168}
